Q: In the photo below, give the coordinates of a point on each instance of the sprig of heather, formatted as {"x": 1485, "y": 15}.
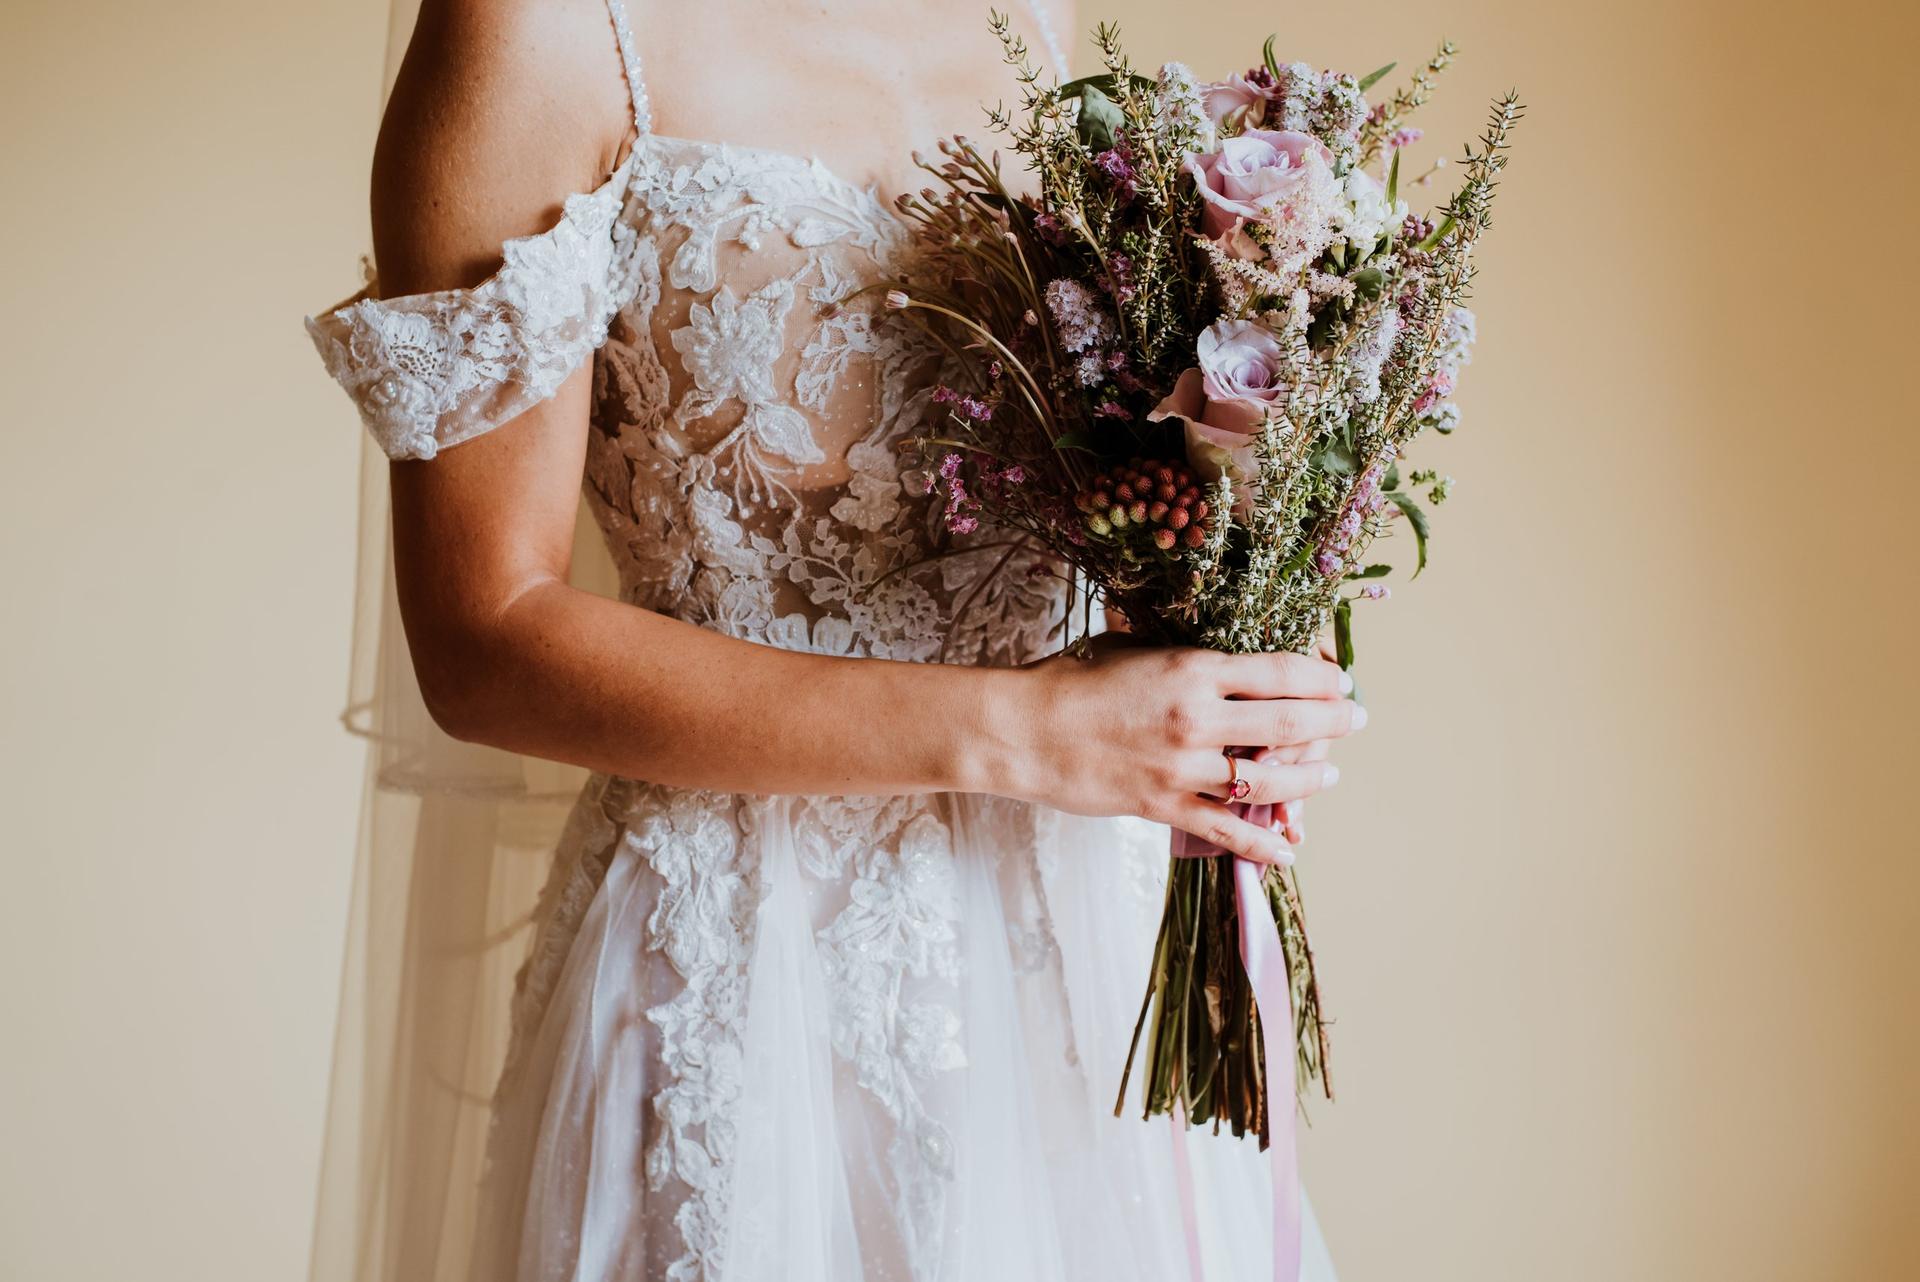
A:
{"x": 1387, "y": 118}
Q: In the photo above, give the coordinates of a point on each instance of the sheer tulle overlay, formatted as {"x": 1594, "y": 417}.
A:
{"x": 803, "y": 1038}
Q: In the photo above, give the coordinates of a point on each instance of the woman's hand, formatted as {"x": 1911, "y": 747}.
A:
{"x": 1143, "y": 731}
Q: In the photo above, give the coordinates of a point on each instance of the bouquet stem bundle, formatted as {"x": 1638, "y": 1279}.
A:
{"x": 1204, "y": 1047}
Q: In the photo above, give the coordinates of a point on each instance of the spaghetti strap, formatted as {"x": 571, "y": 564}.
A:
{"x": 630, "y": 59}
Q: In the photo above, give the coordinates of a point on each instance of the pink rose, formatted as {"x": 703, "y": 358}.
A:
{"x": 1247, "y": 176}
{"x": 1225, "y": 399}
{"x": 1235, "y": 98}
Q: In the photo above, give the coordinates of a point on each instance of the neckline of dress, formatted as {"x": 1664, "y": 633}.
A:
{"x": 614, "y": 188}
{"x": 802, "y": 160}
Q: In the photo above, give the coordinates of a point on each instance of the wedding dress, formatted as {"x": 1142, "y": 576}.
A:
{"x": 813, "y": 1039}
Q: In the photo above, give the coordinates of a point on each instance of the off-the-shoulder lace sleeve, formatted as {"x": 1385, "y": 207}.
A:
{"x": 432, "y": 370}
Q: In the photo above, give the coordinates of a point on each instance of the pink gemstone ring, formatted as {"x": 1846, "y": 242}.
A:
{"x": 1237, "y": 788}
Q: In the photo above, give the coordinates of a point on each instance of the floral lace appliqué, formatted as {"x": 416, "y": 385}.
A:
{"x": 432, "y": 370}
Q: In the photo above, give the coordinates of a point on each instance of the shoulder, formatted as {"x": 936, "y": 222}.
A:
{"x": 501, "y": 109}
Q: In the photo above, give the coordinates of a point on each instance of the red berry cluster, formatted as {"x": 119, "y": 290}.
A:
{"x": 1147, "y": 496}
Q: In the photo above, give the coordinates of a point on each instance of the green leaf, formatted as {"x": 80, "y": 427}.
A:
{"x": 1104, "y": 82}
{"x": 1372, "y": 572}
{"x": 1076, "y": 441}
{"x": 1373, "y": 78}
{"x": 1391, "y": 481}
{"x": 1337, "y": 459}
{"x": 1368, "y": 282}
{"x": 1393, "y": 179}
{"x": 1439, "y": 234}
{"x": 1417, "y": 518}
{"x": 1099, "y": 117}
{"x": 1273, "y": 63}
{"x": 1343, "y": 634}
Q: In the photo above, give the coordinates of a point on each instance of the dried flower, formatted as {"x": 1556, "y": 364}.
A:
{"x": 1082, "y": 322}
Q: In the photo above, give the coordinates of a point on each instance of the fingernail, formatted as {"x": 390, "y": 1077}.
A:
{"x": 1331, "y": 777}
{"x": 1284, "y": 856}
{"x": 1346, "y": 682}
{"x": 1359, "y": 715}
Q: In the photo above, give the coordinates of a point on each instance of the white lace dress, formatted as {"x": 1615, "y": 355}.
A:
{"x": 815, "y": 1039}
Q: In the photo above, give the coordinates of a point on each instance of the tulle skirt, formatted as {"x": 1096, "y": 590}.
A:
{"x": 829, "y": 1040}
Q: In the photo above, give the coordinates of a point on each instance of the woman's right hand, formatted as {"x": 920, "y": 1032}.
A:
{"x": 1144, "y": 731}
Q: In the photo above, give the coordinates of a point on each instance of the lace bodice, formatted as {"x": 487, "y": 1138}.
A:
{"x": 750, "y": 405}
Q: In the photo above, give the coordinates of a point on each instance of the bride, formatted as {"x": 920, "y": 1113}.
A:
{"x": 837, "y": 960}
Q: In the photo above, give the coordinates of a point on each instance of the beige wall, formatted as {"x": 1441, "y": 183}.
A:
{"x": 1618, "y": 901}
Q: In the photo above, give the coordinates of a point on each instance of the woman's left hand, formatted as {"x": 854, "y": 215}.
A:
{"x": 1291, "y": 815}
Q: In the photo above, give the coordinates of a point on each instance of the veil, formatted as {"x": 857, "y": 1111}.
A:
{"x": 453, "y": 846}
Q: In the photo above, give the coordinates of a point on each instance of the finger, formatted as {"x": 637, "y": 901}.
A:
{"x": 1213, "y": 823}
{"x": 1277, "y": 723}
{"x": 1293, "y": 822}
{"x": 1281, "y": 676}
{"x": 1271, "y": 785}
{"x": 1293, "y": 754}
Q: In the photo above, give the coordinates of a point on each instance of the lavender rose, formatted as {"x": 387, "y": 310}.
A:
{"x": 1246, "y": 177}
{"x": 1241, "y": 362}
{"x": 1225, "y": 398}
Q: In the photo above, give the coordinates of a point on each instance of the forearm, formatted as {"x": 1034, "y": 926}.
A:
{"x": 567, "y": 675}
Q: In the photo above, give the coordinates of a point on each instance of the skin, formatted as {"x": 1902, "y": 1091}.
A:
{"x": 501, "y": 108}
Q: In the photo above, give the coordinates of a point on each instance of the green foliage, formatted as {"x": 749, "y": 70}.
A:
{"x": 1272, "y": 62}
{"x": 1375, "y": 76}
{"x": 1098, "y": 118}
{"x": 1417, "y": 519}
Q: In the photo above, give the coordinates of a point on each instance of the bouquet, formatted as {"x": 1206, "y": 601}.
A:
{"x": 1187, "y": 354}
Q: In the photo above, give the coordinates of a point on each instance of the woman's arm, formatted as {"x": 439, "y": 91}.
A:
{"x": 497, "y": 113}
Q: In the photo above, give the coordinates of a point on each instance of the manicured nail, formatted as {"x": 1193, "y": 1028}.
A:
{"x": 1284, "y": 856}
{"x": 1359, "y": 715}
{"x": 1346, "y": 682}
{"x": 1331, "y": 777}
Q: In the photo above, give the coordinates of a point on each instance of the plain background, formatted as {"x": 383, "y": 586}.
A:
{"x": 1618, "y": 900}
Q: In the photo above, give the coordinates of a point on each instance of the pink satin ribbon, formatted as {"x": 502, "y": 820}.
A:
{"x": 1265, "y": 959}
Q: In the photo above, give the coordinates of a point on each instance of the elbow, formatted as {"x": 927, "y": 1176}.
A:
{"x": 474, "y": 664}
{"x": 460, "y": 684}
{"x": 459, "y": 710}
